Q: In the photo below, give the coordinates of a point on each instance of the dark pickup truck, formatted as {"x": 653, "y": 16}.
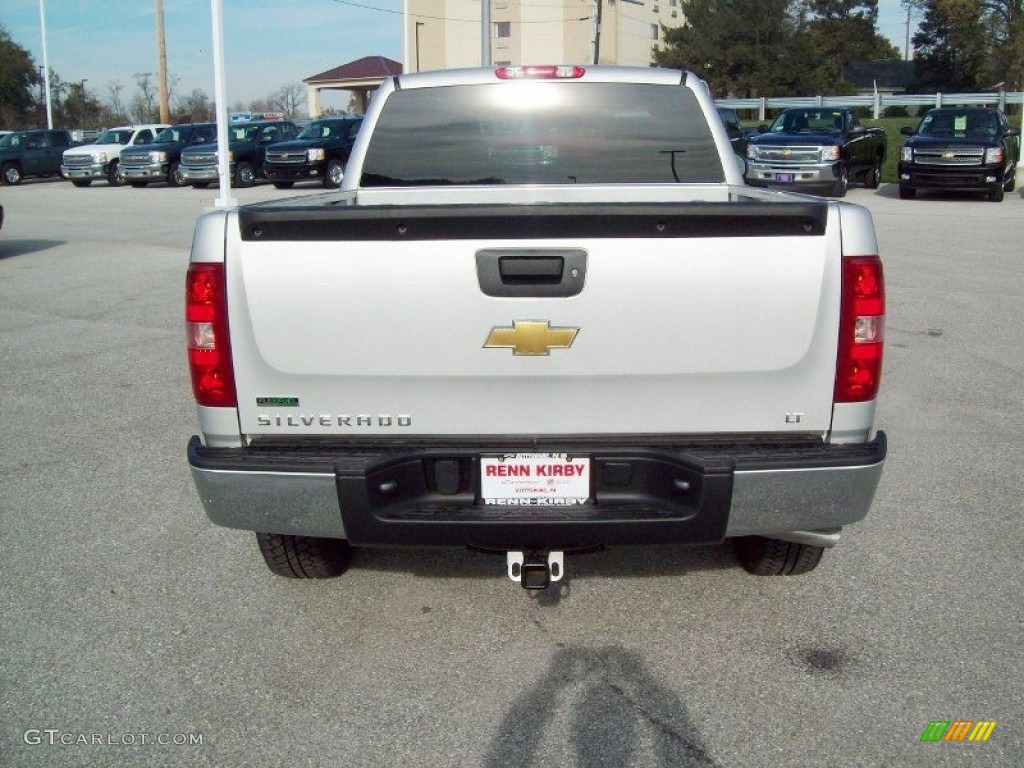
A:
{"x": 247, "y": 151}
{"x": 816, "y": 147}
{"x": 161, "y": 160}
{"x": 737, "y": 133}
{"x": 32, "y": 153}
{"x": 318, "y": 153}
{"x": 960, "y": 150}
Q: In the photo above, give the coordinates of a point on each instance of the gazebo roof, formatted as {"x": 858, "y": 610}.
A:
{"x": 366, "y": 68}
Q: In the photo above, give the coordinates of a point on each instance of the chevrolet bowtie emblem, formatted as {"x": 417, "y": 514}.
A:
{"x": 948, "y": 155}
{"x": 531, "y": 337}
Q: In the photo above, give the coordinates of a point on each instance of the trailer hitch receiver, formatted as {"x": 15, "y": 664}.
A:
{"x": 536, "y": 570}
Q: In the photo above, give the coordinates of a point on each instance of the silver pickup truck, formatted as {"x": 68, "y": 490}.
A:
{"x": 543, "y": 315}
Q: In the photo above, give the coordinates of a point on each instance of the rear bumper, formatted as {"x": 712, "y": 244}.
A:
{"x": 427, "y": 495}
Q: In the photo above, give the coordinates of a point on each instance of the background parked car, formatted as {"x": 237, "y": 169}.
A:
{"x": 737, "y": 134}
{"x": 32, "y": 153}
{"x": 318, "y": 153}
{"x": 816, "y": 147}
{"x": 247, "y": 151}
{"x": 161, "y": 160}
{"x": 960, "y": 149}
{"x": 101, "y": 159}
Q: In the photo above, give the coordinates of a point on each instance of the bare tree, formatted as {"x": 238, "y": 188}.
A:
{"x": 262, "y": 105}
{"x": 143, "y": 103}
{"x": 289, "y": 99}
{"x": 196, "y": 106}
{"x": 115, "y": 107}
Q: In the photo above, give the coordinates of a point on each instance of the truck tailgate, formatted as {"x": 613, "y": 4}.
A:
{"x": 691, "y": 319}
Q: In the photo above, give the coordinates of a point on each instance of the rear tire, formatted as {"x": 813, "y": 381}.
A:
{"x": 284, "y": 184}
{"x": 175, "y": 178}
{"x": 874, "y": 176}
{"x": 115, "y": 177}
{"x": 81, "y": 182}
{"x": 842, "y": 183}
{"x": 773, "y": 557}
{"x": 245, "y": 174}
{"x": 304, "y": 557}
{"x": 334, "y": 173}
{"x": 907, "y": 193}
{"x": 11, "y": 174}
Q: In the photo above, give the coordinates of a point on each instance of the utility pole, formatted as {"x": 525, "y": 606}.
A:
{"x": 418, "y": 25}
{"x": 165, "y": 109}
{"x": 597, "y": 34}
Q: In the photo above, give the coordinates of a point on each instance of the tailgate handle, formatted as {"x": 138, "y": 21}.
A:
{"x": 531, "y": 272}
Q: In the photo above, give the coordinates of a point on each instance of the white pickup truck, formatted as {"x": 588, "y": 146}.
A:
{"x": 102, "y": 159}
{"x": 542, "y": 315}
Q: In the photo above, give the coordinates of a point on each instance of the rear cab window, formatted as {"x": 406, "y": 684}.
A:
{"x": 542, "y": 133}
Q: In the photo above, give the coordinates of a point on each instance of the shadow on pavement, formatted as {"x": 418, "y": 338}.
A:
{"x": 616, "y": 711}
{"x": 9, "y": 248}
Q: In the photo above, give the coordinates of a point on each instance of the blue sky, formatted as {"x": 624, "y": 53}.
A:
{"x": 268, "y": 43}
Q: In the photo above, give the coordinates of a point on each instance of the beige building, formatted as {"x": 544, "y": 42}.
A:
{"x": 445, "y": 34}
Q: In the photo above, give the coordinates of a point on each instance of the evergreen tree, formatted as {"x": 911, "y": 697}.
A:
{"x": 1004, "y": 21}
{"x": 17, "y": 77}
{"x": 952, "y": 46}
{"x": 845, "y": 31}
{"x": 744, "y": 48}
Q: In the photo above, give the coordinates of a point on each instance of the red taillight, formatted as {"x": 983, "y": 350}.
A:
{"x": 539, "y": 73}
{"x": 861, "y": 330}
{"x": 206, "y": 323}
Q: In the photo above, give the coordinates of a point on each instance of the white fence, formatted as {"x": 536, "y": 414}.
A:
{"x": 877, "y": 102}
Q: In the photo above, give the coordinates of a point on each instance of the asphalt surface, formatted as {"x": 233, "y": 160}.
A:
{"x": 127, "y": 619}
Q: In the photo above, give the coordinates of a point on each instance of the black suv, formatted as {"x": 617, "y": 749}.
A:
{"x": 318, "y": 153}
{"x": 960, "y": 149}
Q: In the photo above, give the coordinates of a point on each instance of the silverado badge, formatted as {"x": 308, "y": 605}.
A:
{"x": 531, "y": 337}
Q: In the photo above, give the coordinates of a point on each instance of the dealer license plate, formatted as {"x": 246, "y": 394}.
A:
{"x": 535, "y": 480}
{"x": 784, "y": 177}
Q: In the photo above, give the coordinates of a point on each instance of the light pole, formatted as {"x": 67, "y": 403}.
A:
{"x": 220, "y": 100}
{"x": 81, "y": 99}
{"x": 42, "y": 109}
{"x": 46, "y": 66}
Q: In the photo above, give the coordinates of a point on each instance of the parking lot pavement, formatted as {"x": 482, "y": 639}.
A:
{"x": 136, "y": 633}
